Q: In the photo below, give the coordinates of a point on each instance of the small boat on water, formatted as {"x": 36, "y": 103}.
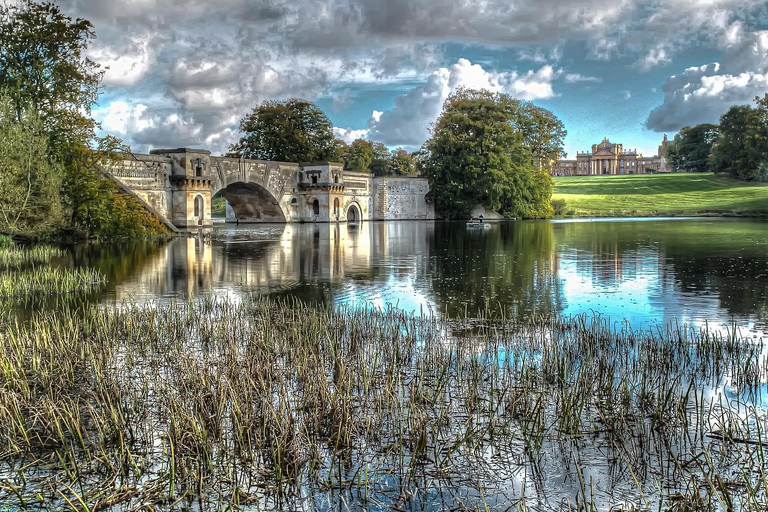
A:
{"x": 478, "y": 224}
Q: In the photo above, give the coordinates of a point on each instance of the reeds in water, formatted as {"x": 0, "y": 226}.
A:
{"x": 15, "y": 257}
{"x": 218, "y": 405}
{"x": 49, "y": 280}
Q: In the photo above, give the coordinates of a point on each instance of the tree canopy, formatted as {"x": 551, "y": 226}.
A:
{"x": 374, "y": 157}
{"x": 43, "y": 66}
{"x": 741, "y": 150}
{"x": 488, "y": 148}
{"x": 691, "y": 148}
{"x": 542, "y": 132}
{"x": 50, "y": 85}
{"x": 293, "y": 130}
{"x": 30, "y": 184}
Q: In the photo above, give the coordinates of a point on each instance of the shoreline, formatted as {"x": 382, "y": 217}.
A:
{"x": 743, "y": 214}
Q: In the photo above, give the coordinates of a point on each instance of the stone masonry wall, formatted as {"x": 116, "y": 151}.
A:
{"x": 401, "y": 198}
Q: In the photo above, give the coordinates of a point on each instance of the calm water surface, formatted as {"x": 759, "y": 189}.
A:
{"x": 650, "y": 272}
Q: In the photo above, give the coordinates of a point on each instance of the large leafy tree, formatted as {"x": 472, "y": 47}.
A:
{"x": 381, "y": 161}
{"x": 358, "y": 155}
{"x": 542, "y": 132}
{"x": 741, "y": 149}
{"x": 30, "y": 184}
{"x": 294, "y": 130}
{"x": 48, "y": 79}
{"x": 479, "y": 153}
{"x": 691, "y": 148}
{"x": 403, "y": 163}
{"x": 43, "y": 66}
{"x": 374, "y": 157}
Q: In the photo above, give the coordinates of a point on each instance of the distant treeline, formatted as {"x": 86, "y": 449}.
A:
{"x": 738, "y": 146}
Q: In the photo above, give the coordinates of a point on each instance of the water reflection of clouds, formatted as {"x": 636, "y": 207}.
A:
{"x": 622, "y": 270}
{"x": 398, "y": 291}
{"x": 646, "y": 296}
{"x": 626, "y": 297}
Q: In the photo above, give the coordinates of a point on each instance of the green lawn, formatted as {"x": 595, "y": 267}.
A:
{"x": 659, "y": 194}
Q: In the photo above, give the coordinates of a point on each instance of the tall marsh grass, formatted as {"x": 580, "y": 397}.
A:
{"x": 216, "y": 405}
{"x": 14, "y": 257}
{"x": 48, "y": 280}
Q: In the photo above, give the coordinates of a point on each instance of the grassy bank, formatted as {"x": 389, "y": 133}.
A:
{"x": 660, "y": 194}
{"x": 216, "y": 405}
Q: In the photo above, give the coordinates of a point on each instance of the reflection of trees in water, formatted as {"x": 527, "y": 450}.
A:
{"x": 728, "y": 259}
{"x": 117, "y": 260}
{"x": 740, "y": 283}
{"x": 512, "y": 266}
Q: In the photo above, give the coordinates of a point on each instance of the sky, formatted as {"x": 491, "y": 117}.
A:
{"x": 182, "y": 73}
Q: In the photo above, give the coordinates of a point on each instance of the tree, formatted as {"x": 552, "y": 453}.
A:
{"x": 478, "y": 155}
{"x": 43, "y": 67}
{"x": 403, "y": 163}
{"x": 542, "y": 132}
{"x": 358, "y": 155}
{"x": 742, "y": 148}
{"x": 294, "y": 130}
{"x": 374, "y": 157}
{"x": 691, "y": 148}
{"x": 45, "y": 73}
{"x": 30, "y": 184}
{"x": 380, "y": 163}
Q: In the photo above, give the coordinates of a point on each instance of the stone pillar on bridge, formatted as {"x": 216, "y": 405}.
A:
{"x": 190, "y": 181}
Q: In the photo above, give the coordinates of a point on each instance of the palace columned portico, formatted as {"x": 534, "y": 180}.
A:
{"x": 610, "y": 158}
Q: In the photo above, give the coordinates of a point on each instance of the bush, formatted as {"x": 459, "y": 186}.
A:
{"x": 559, "y": 205}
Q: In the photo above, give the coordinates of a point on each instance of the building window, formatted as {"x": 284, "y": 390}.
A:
{"x": 316, "y": 207}
{"x": 314, "y": 179}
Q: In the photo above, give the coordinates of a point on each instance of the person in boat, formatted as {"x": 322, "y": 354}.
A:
{"x": 480, "y": 218}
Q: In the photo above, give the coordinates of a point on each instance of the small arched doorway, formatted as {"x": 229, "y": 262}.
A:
{"x": 199, "y": 209}
{"x": 353, "y": 213}
{"x": 336, "y": 212}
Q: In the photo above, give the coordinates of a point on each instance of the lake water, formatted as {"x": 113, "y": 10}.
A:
{"x": 650, "y": 272}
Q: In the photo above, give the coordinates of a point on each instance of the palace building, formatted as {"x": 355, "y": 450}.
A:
{"x": 610, "y": 158}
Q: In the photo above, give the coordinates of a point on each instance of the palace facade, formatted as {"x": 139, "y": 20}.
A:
{"x": 610, "y": 158}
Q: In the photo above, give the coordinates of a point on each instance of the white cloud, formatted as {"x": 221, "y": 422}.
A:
{"x": 349, "y": 136}
{"x": 701, "y": 94}
{"x": 128, "y": 65}
{"x": 572, "y": 78}
{"x": 653, "y": 58}
{"x": 145, "y": 128}
{"x": 408, "y": 123}
{"x": 673, "y": 25}
{"x": 210, "y": 62}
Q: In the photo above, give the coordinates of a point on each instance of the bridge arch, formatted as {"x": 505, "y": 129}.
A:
{"x": 252, "y": 202}
{"x": 255, "y": 189}
{"x": 354, "y": 213}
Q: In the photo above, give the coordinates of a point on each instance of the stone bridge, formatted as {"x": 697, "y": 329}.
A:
{"x": 179, "y": 184}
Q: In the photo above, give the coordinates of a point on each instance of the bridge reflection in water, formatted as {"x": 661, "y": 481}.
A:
{"x": 319, "y": 262}
{"x": 648, "y": 272}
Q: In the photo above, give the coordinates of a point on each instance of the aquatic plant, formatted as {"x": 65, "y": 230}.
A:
{"x": 12, "y": 256}
{"x": 48, "y": 280}
{"x": 276, "y": 404}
